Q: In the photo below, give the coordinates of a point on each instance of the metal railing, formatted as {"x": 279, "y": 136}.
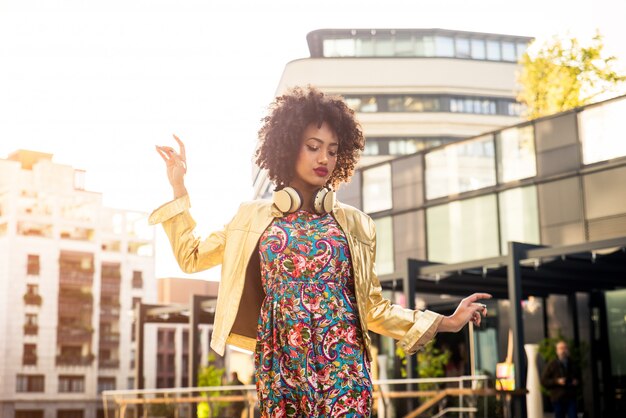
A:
{"x": 462, "y": 397}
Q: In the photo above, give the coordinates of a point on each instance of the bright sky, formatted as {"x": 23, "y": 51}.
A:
{"x": 98, "y": 84}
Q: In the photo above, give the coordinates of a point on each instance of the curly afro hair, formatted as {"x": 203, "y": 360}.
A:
{"x": 289, "y": 115}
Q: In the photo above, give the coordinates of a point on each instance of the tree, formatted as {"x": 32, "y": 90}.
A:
{"x": 210, "y": 376}
{"x": 563, "y": 74}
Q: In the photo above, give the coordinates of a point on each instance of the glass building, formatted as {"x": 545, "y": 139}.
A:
{"x": 557, "y": 180}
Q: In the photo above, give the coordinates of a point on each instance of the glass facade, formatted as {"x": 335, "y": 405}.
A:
{"x": 384, "y": 245}
{"x": 377, "y": 189}
{"x": 519, "y": 216}
{"x": 463, "y": 230}
{"x": 516, "y": 153}
{"x": 457, "y": 168}
{"x": 616, "y": 313}
{"x": 478, "y": 105}
{"x": 425, "y": 44}
{"x": 403, "y": 145}
{"x": 601, "y": 131}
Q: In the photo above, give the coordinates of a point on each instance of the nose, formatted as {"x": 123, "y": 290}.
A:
{"x": 323, "y": 159}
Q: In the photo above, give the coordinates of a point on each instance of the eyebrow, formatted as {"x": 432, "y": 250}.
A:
{"x": 321, "y": 142}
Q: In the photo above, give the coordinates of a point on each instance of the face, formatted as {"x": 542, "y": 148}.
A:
{"x": 317, "y": 156}
{"x": 562, "y": 350}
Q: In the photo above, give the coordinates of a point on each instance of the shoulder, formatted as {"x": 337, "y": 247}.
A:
{"x": 248, "y": 210}
{"x": 358, "y": 220}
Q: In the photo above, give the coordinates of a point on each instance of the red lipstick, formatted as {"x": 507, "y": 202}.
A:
{"x": 321, "y": 171}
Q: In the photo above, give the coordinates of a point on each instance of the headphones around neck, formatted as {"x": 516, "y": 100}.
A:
{"x": 288, "y": 200}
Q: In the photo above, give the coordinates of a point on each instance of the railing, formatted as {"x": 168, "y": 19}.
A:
{"x": 462, "y": 397}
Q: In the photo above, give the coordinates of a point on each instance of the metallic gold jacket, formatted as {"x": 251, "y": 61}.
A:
{"x": 241, "y": 294}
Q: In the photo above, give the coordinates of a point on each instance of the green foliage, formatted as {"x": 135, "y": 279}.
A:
{"x": 210, "y": 376}
{"x": 563, "y": 74}
{"x": 431, "y": 362}
{"x": 167, "y": 410}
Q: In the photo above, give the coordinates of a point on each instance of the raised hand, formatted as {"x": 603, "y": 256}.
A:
{"x": 176, "y": 162}
{"x": 468, "y": 310}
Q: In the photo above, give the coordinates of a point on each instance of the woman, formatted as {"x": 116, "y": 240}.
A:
{"x": 299, "y": 286}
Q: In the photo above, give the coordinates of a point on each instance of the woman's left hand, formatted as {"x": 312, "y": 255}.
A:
{"x": 468, "y": 310}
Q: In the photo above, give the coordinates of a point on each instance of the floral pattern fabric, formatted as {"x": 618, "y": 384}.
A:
{"x": 310, "y": 358}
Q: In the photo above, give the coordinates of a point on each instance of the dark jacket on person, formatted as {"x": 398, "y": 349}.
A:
{"x": 555, "y": 370}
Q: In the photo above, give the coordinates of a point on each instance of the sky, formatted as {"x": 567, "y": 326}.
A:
{"x": 98, "y": 84}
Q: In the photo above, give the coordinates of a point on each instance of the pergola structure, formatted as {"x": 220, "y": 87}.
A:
{"x": 527, "y": 270}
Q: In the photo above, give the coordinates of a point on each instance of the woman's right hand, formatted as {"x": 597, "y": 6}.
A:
{"x": 176, "y": 163}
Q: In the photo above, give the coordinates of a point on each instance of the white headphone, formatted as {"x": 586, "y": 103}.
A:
{"x": 288, "y": 200}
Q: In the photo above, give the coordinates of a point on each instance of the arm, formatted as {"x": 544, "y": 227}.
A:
{"x": 548, "y": 380}
{"x": 192, "y": 253}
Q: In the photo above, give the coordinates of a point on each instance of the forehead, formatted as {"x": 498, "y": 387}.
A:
{"x": 323, "y": 134}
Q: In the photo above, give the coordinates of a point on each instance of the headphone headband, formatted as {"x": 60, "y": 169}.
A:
{"x": 289, "y": 200}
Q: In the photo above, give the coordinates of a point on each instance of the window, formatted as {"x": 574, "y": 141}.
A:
{"x": 29, "y": 413}
{"x": 493, "y": 50}
{"x": 462, "y": 46}
{"x": 29, "y": 383}
{"x": 461, "y": 167}
{"x": 508, "y": 51}
{"x": 69, "y": 413}
{"x": 30, "y": 324}
{"x": 444, "y": 46}
{"x": 478, "y": 49}
{"x": 384, "y": 245}
{"x": 601, "y": 130}
{"x": 616, "y": 316}
{"x": 377, "y": 188}
{"x": 516, "y": 154}
{"x": 32, "y": 296}
{"x": 463, "y": 230}
{"x": 33, "y": 265}
{"x": 137, "y": 279}
{"x": 29, "y": 357}
{"x": 519, "y": 218}
{"x": 106, "y": 383}
{"x": 69, "y": 384}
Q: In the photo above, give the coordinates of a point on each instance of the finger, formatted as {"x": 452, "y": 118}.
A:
{"x": 183, "y": 155}
{"x": 476, "y": 296}
{"x": 162, "y": 154}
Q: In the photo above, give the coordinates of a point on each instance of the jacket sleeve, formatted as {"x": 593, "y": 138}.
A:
{"x": 192, "y": 253}
{"x": 413, "y": 328}
{"x": 548, "y": 377}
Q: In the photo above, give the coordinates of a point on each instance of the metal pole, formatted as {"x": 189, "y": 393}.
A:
{"x": 408, "y": 285}
{"x": 194, "y": 342}
{"x": 514, "y": 282}
{"x": 140, "y": 317}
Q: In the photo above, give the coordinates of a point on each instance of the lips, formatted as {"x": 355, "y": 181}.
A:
{"x": 321, "y": 171}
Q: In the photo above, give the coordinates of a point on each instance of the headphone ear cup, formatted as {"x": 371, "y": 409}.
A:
{"x": 287, "y": 200}
{"x": 323, "y": 201}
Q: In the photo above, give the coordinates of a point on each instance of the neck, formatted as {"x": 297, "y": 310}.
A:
{"x": 306, "y": 192}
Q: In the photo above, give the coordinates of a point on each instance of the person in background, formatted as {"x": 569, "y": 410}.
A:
{"x": 561, "y": 377}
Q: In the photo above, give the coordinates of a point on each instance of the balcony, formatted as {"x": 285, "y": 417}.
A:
{"x": 73, "y": 360}
{"x": 29, "y": 360}
{"x": 110, "y": 288}
{"x": 109, "y": 339}
{"x": 32, "y": 299}
{"x": 31, "y": 329}
{"x": 74, "y": 335}
{"x": 109, "y": 313}
{"x": 109, "y": 364}
{"x": 76, "y": 277}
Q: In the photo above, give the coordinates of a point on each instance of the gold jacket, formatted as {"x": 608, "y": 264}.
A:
{"x": 241, "y": 294}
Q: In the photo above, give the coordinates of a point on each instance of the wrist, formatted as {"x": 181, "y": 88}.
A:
{"x": 179, "y": 190}
{"x": 448, "y": 324}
